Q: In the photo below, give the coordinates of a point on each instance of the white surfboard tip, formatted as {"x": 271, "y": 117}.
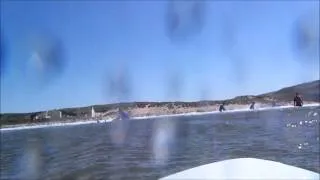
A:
{"x": 245, "y": 168}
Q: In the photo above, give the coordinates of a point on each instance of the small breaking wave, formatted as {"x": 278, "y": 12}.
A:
{"x": 53, "y": 124}
{"x": 59, "y": 124}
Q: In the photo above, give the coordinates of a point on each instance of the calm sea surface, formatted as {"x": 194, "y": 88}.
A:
{"x": 150, "y": 149}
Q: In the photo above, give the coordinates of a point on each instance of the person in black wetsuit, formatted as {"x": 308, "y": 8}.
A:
{"x": 221, "y": 108}
{"x": 297, "y": 101}
{"x": 252, "y": 105}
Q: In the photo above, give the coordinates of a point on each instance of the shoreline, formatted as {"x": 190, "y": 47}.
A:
{"x": 109, "y": 119}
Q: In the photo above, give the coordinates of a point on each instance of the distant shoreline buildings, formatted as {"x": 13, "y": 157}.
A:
{"x": 62, "y": 114}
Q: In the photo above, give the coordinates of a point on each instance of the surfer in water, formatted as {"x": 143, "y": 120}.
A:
{"x": 297, "y": 101}
{"x": 221, "y": 108}
{"x": 252, "y": 105}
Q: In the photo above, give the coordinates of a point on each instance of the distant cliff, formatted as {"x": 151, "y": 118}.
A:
{"x": 310, "y": 92}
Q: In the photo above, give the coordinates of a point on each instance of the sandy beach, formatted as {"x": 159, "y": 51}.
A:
{"x": 148, "y": 112}
{"x": 154, "y": 112}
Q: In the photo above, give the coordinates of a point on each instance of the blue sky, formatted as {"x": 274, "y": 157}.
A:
{"x": 99, "y": 36}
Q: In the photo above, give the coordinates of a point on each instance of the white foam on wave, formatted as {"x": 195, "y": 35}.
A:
{"x": 225, "y": 112}
{"x": 57, "y": 124}
{"x": 53, "y": 124}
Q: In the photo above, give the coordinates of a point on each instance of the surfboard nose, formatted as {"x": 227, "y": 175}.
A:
{"x": 245, "y": 168}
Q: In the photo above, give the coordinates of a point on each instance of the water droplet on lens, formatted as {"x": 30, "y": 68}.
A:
{"x": 184, "y": 19}
{"x": 47, "y": 58}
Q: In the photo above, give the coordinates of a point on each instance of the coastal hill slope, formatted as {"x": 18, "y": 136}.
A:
{"x": 310, "y": 92}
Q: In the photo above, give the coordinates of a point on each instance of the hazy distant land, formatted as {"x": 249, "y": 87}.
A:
{"x": 310, "y": 92}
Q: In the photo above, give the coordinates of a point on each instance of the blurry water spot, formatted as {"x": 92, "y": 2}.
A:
{"x": 31, "y": 163}
{"x": 229, "y": 42}
{"x": 239, "y": 69}
{"x": 3, "y": 55}
{"x": 228, "y": 35}
{"x": 184, "y": 19}
{"x": 175, "y": 85}
{"x": 205, "y": 92}
{"x": 162, "y": 140}
{"x": 310, "y": 114}
{"x": 46, "y": 59}
{"x": 118, "y": 132}
{"x": 119, "y": 83}
{"x": 306, "y": 35}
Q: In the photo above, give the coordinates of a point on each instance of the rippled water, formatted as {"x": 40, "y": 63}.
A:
{"x": 149, "y": 149}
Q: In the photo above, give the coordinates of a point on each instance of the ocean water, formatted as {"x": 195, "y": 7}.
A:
{"x": 154, "y": 148}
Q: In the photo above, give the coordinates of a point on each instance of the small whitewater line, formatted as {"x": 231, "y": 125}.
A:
{"x": 58, "y": 124}
{"x": 225, "y": 112}
{"x": 53, "y": 124}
